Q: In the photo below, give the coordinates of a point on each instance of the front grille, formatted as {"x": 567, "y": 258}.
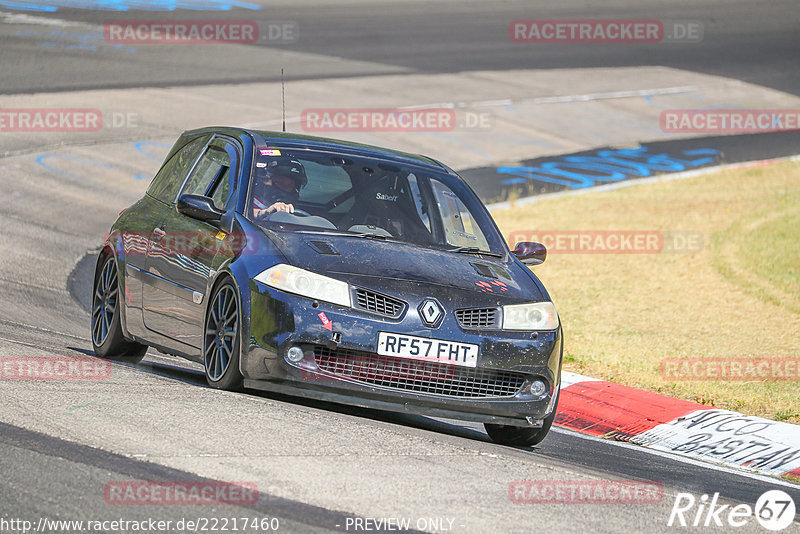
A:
{"x": 478, "y": 318}
{"x": 377, "y": 303}
{"x": 417, "y": 376}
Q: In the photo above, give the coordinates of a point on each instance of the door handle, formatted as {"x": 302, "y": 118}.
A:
{"x": 158, "y": 234}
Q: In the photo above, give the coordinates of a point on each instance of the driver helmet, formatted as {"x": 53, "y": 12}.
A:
{"x": 288, "y": 167}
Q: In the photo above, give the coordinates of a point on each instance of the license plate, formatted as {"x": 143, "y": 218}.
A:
{"x": 426, "y": 349}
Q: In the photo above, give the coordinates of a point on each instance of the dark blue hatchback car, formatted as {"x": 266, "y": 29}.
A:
{"x": 333, "y": 271}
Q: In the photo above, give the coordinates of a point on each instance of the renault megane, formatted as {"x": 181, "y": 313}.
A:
{"x": 334, "y": 271}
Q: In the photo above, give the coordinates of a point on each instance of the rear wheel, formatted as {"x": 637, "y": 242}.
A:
{"x": 107, "y": 338}
{"x": 521, "y": 436}
{"x": 221, "y": 345}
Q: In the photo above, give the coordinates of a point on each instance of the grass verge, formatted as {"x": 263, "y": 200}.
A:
{"x": 734, "y": 297}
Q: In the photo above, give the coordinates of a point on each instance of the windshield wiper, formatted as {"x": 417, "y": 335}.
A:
{"x": 474, "y": 250}
{"x": 366, "y": 235}
{"x": 369, "y": 236}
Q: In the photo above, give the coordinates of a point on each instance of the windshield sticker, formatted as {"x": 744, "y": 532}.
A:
{"x": 269, "y": 152}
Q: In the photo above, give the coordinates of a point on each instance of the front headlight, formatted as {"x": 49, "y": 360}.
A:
{"x": 305, "y": 283}
{"x": 533, "y": 316}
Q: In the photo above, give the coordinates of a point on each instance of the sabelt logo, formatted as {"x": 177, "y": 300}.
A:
{"x": 388, "y": 198}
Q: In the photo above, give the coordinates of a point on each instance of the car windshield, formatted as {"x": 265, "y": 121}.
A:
{"x": 302, "y": 190}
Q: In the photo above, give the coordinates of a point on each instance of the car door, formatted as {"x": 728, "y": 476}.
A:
{"x": 143, "y": 218}
{"x": 183, "y": 249}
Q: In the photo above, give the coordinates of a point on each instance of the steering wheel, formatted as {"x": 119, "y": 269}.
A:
{"x": 297, "y": 212}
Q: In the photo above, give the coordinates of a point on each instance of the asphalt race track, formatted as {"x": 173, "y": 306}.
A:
{"x": 321, "y": 467}
{"x": 744, "y": 41}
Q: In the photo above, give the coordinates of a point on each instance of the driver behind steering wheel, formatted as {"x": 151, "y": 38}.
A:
{"x": 280, "y": 188}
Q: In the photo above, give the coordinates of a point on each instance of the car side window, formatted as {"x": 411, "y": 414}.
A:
{"x": 166, "y": 183}
{"x": 212, "y": 175}
{"x": 220, "y": 190}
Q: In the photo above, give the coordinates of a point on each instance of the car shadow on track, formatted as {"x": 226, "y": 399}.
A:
{"x": 79, "y": 286}
{"x": 197, "y": 378}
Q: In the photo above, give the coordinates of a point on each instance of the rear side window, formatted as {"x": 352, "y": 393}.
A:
{"x": 212, "y": 174}
{"x": 165, "y": 185}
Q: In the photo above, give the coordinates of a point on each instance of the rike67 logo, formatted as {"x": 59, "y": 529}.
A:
{"x": 774, "y": 510}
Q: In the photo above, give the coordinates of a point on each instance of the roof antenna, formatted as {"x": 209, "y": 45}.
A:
{"x": 283, "y": 99}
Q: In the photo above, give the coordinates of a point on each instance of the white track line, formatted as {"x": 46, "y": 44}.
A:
{"x": 523, "y": 101}
{"x": 563, "y": 99}
{"x": 19, "y": 18}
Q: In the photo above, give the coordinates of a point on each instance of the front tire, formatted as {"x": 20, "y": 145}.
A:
{"x": 106, "y": 330}
{"x": 521, "y": 436}
{"x": 221, "y": 347}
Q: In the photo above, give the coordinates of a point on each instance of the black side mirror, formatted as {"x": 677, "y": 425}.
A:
{"x": 530, "y": 253}
{"x": 199, "y": 207}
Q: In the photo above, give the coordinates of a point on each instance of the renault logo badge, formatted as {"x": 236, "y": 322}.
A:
{"x": 431, "y": 312}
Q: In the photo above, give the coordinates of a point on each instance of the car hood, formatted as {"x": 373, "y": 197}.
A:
{"x": 387, "y": 264}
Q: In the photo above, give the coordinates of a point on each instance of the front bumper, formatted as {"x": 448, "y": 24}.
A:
{"x": 340, "y": 362}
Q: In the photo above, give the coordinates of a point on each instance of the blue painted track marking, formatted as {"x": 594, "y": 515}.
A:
{"x": 44, "y": 157}
{"x": 141, "y": 144}
{"x": 576, "y": 172}
{"x": 140, "y": 147}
